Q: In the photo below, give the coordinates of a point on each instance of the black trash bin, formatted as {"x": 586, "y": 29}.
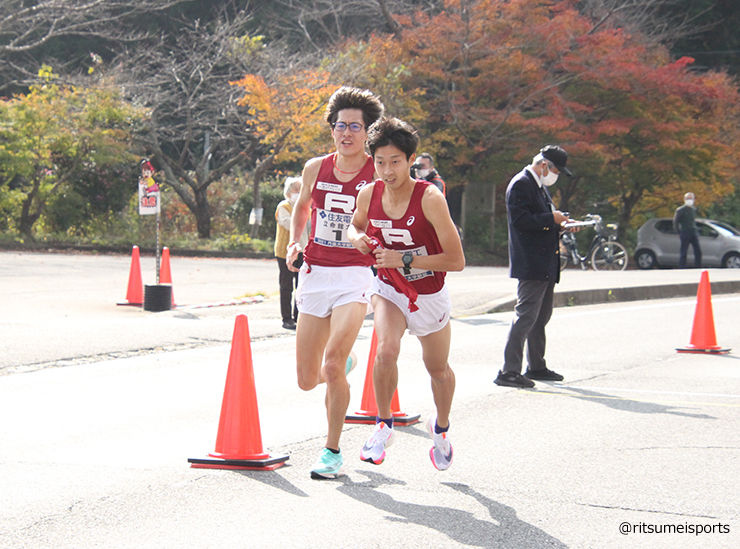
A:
{"x": 158, "y": 297}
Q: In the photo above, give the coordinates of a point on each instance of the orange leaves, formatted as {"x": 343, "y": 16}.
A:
{"x": 486, "y": 81}
{"x": 614, "y": 127}
{"x": 287, "y": 112}
{"x": 257, "y": 94}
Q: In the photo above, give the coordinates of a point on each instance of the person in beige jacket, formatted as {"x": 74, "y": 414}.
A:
{"x": 288, "y": 279}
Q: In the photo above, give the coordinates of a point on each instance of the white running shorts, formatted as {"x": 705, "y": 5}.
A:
{"x": 324, "y": 288}
{"x": 434, "y": 309}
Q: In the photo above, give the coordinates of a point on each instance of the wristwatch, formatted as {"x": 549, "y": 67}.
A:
{"x": 407, "y": 258}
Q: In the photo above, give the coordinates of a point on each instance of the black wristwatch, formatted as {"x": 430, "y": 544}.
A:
{"x": 407, "y": 258}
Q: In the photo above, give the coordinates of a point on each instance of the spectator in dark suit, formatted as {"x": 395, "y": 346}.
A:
{"x": 534, "y": 234}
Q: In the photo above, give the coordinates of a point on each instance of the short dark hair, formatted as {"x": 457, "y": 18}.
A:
{"x": 354, "y": 98}
{"x": 428, "y": 157}
{"x": 392, "y": 131}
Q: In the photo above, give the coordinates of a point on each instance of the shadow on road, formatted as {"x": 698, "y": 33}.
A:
{"x": 504, "y": 530}
{"x": 626, "y": 404}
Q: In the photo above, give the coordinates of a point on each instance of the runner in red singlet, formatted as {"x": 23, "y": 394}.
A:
{"x": 412, "y": 223}
{"x": 334, "y": 275}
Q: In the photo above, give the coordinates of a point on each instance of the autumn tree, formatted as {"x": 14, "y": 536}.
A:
{"x": 653, "y": 129}
{"x": 286, "y": 115}
{"x": 49, "y": 136}
{"x": 501, "y": 79}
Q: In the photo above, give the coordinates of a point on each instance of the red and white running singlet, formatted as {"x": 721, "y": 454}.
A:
{"x": 334, "y": 202}
{"x": 411, "y": 233}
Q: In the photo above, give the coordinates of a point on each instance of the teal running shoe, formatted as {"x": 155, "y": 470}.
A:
{"x": 328, "y": 465}
{"x": 351, "y": 362}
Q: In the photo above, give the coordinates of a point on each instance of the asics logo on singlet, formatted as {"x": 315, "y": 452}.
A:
{"x": 410, "y": 221}
{"x": 361, "y": 184}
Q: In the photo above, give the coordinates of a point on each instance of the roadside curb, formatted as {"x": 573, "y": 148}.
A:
{"x": 41, "y": 247}
{"x": 570, "y": 298}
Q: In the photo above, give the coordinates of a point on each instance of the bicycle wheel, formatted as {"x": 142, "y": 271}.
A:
{"x": 564, "y": 255}
{"x": 610, "y": 255}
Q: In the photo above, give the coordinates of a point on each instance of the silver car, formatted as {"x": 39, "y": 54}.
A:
{"x": 658, "y": 245}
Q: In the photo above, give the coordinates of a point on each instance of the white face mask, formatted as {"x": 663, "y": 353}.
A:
{"x": 549, "y": 179}
{"x": 293, "y": 198}
{"x": 423, "y": 173}
{"x": 689, "y": 201}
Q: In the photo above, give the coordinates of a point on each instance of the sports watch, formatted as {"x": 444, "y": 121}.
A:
{"x": 407, "y": 258}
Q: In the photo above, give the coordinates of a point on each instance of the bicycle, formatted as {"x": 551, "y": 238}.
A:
{"x": 604, "y": 253}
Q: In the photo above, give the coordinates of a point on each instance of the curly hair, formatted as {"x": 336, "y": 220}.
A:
{"x": 354, "y": 98}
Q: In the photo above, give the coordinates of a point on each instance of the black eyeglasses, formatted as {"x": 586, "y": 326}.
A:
{"x": 354, "y": 127}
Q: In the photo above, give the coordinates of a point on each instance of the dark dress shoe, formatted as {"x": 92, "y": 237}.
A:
{"x": 543, "y": 375}
{"x": 513, "y": 379}
{"x": 289, "y": 325}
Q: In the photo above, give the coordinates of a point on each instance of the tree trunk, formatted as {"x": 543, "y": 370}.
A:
{"x": 29, "y": 218}
{"x": 628, "y": 203}
{"x": 492, "y": 244}
{"x": 202, "y": 212}
{"x": 259, "y": 173}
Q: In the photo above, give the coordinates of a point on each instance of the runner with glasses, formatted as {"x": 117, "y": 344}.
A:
{"x": 354, "y": 127}
{"x": 334, "y": 275}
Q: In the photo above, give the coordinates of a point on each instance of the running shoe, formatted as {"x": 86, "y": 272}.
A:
{"x": 374, "y": 449}
{"x": 351, "y": 362}
{"x": 441, "y": 452}
{"x": 328, "y": 465}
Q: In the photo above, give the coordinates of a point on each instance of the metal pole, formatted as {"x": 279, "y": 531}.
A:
{"x": 157, "y": 247}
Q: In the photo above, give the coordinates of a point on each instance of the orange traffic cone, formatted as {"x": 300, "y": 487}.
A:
{"x": 369, "y": 407}
{"x": 135, "y": 292}
{"x": 165, "y": 274}
{"x": 703, "y": 338}
{"x": 239, "y": 439}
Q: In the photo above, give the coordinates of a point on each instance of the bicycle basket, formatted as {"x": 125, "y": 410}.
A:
{"x": 598, "y": 224}
{"x": 612, "y": 229}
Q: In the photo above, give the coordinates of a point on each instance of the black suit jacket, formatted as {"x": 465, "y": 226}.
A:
{"x": 533, "y": 235}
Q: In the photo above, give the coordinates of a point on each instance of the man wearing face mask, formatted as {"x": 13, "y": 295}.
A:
{"x": 534, "y": 233}
{"x": 684, "y": 222}
{"x": 424, "y": 169}
{"x": 288, "y": 279}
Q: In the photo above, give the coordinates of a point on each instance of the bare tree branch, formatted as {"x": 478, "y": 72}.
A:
{"x": 658, "y": 20}
{"x": 25, "y": 28}
{"x": 196, "y": 123}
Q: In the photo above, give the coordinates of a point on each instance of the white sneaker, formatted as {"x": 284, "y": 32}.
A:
{"x": 441, "y": 452}
{"x": 374, "y": 449}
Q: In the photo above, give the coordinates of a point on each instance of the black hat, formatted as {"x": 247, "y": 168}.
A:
{"x": 557, "y": 156}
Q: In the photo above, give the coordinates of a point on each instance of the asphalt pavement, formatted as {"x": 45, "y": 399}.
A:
{"x": 62, "y": 308}
{"x": 103, "y": 404}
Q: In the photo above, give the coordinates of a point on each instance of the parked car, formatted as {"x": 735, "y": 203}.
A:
{"x": 658, "y": 244}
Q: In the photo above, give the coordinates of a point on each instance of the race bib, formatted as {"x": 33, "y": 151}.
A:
{"x": 331, "y": 229}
